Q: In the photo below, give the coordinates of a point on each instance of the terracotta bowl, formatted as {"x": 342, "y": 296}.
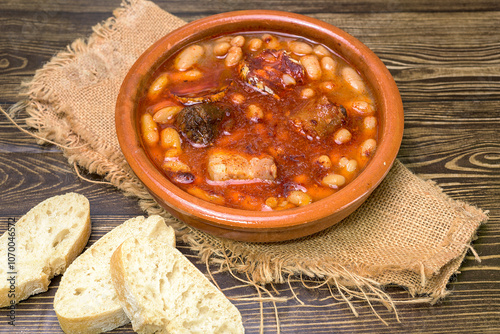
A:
{"x": 260, "y": 226}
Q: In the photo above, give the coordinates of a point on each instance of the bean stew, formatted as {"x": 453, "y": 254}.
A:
{"x": 258, "y": 121}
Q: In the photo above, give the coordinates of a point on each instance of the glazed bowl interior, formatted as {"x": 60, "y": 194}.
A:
{"x": 262, "y": 226}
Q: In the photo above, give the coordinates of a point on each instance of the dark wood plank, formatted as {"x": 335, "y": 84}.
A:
{"x": 444, "y": 56}
{"x": 428, "y": 64}
{"x": 180, "y": 8}
{"x": 38, "y": 176}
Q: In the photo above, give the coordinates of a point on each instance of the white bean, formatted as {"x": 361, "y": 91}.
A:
{"x": 169, "y": 138}
{"x": 300, "y": 48}
{"x": 362, "y": 107}
{"x": 299, "y": 198}
{"x": 333, "y": 180}
{"x": 191, "y": 75}
{"x": 172, "y": 152}
{"x": 158, "y": 86}
{"x": 270, "y": 41}
{"x": 351, "y": 165}
{"x": 311, "y": 66}
{"x": 324, "y": 161}
{"x": 321, "y": 51}
{"x": 234, "y": 55}
{"x": 238, "y": 41}
{"x": 164, "y": 115}
{"x": 370, "y": 122}
{"x": 188, "y": 57}
{"x": 328, "y": 64}
{"x": 343, "y": 162}
{"x": 255, "y": 44}
{"x": 149, "y": 130}
{"x": 353, "y": 79}
{"x": 220, "y": 49}
{"x": 342, "y": 136}
{"x": 176, "y": 166}
{"x": 368, "y": 147}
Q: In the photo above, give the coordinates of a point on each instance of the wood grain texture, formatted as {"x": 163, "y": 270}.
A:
{"x": 445, "y": 58}
{"x": 314, "y": 6}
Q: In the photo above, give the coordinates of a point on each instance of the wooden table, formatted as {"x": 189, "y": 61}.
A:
{"x": 445, "y": 57}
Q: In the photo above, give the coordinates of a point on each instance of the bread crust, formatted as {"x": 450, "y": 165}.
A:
{"x": 161, "y": 291}
{"x": 105, "y": 322}
{"x": 46, "y": 261}
{"x": 102, "y": 311}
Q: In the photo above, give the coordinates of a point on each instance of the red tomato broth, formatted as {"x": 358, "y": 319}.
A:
{"x": 294, "y": 153}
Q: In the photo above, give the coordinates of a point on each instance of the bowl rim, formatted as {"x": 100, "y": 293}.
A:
{"x": 240, "y": 219}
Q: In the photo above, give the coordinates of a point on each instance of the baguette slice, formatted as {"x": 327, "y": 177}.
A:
{"x": 41, "y": 245}
{"x": 161, "y": 291}
{"x": 86, "y": 301}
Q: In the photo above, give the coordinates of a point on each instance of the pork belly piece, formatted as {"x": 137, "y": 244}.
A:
{"x": 223, "y": 166}
{"x": 318, "y": 118}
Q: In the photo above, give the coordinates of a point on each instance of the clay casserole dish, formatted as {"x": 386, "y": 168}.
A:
{"x": 262, "y": 226}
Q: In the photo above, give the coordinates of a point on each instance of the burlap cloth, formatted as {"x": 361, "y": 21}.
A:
{"x": 408, "y": 233}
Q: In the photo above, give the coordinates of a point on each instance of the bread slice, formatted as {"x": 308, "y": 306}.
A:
{"x": 41, "y": 245}
{"x": 86, "y": 301}
{"x": 163, "y": 292}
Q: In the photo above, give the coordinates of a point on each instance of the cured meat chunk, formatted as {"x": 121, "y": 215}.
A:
{"x": 223, "y": 166}
{"x": 199, "y": 123}
{"x": 318, "y": 118}
{"x": 271, "y": 71}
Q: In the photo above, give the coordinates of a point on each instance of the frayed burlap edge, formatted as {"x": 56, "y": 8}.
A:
{"x": 99, "y": 159}
{"x": 94, "y": 157}
{"x": 266, "y": 268}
